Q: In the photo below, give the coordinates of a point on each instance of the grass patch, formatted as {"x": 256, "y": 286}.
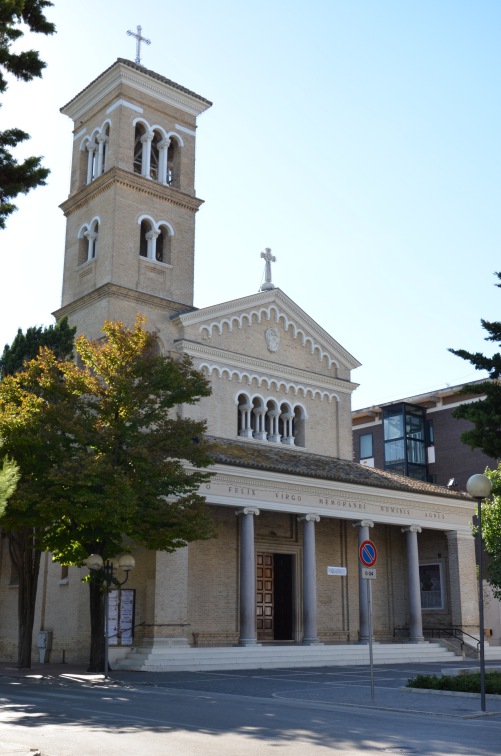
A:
{"x": 467, "y": 683}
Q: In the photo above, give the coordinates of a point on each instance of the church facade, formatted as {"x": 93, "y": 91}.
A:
{"x": 287, "y": 500}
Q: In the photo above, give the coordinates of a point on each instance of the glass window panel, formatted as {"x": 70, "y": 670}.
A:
{"x": 431, "y": 586}
{"x": 366, "y": 446}
{"x": 416, "y": 451}
{"x": 393, "y": 426}
{"x": 414, "y": 426}
{"x": 394, "y": 451}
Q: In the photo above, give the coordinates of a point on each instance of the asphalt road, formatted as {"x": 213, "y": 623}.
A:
{"x": 280, "y": 712}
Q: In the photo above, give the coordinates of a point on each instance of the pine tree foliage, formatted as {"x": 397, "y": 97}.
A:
{"x": 15, "y": 177}
{"x": 485, "y": 414}
{"x": 58, "y": 338}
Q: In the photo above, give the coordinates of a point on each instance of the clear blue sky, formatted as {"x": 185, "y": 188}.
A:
{"x": 359, "y": 139}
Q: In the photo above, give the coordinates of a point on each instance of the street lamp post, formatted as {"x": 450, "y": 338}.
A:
{"x": 95, "y": 562}
{"x": 480, "y": 487}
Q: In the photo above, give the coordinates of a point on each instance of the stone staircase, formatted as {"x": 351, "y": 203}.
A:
{"x": 165, "y": 658}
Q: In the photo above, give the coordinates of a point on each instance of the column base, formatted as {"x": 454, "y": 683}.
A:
{"x": 248, "y": 642}
{"x": 311, "y": 642}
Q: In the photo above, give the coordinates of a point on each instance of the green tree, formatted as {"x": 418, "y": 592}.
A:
{"x": 9, "y": 475}
{"x": 24, "y": 547}
{"x": 101, "y": 450}
{"x": 486, "y": 413}
{"x": 491, "y": 531}
{"x": 15, "y": 177}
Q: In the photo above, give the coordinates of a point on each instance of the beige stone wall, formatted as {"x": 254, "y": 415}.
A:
{"x": 213, "y": 583}
{"x": 324, "y": 431}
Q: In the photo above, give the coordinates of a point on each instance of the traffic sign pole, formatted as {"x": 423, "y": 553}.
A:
{"x": 368, "y": 557}
{"x": 371, "y": 659}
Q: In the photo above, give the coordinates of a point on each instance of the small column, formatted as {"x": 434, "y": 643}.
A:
{"x": 151, "y": 238}
{"x": 91, "y": 237}
{"x": 310, "y": 635}
{"x": 363, "y": 603}
{"x": 288, "y": 438}
{"x": 415, "y": 615}
{"x": 248, "y": 635}
{"x": 260, "y": 415}
{"x": 245, "y": 423}
{"x": 163, "y": 148}
{"x": 274, "y": 435}
{"x": 146, "y": 141}
{"x": 91, "y": 149}
{"x": 101, "y": 141}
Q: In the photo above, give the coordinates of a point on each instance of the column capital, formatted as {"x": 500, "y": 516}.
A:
{"x": 148, "y": 137}
{"x": 309, "y": 518}
{"x": 248, "y": 511}
{"x": 412, "y": 529}
{"x": 363, "y": 524}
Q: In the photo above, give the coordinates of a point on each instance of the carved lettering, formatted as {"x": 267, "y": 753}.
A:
{"x": 341, "y": 503}
{"x": 396, "y": 510}
{"x": 242, "y": 491}
{"x": 287, "y": 497}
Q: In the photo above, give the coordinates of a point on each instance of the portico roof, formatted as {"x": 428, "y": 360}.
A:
{"x": 293, "y": 461}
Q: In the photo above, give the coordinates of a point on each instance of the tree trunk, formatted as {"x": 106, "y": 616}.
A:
{"x": 26, "y": 557}
{"x": 96, "y": 595}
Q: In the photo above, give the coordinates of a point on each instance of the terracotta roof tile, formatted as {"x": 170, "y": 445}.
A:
{"x": 293, "y": 461}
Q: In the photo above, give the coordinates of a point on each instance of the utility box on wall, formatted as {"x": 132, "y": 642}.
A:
{"x": 44, "y": 645}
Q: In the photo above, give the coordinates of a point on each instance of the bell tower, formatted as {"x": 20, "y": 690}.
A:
{"x": 130, "y": 227}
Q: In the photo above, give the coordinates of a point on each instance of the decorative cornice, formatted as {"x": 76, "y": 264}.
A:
{"x": 264, "y": 372}
{"x": 126, "y": 73}
{"x": 119, "y": 176}
{"x": 255, "y": 306}
{"x": 113, "y": 291}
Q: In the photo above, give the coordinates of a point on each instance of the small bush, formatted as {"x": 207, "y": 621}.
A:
{"x": 469, "y": 683}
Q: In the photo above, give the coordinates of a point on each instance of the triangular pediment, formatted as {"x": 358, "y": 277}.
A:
{"x": 267, "y": 326}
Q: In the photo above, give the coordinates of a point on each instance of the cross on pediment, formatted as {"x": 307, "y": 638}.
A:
{"x": 137, "y": 36}
{"x": 269, "y": 258}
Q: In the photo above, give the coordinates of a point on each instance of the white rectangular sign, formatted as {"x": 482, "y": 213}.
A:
{"x": 369, "y": 573}
{"x": 336, "y": 571}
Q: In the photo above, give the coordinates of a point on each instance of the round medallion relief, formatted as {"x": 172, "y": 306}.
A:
{"x": 272, "y": 336}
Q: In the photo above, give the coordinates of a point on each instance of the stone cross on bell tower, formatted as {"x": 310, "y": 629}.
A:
{"x": 137, "y": 36}
{"x": 267, "y": 275}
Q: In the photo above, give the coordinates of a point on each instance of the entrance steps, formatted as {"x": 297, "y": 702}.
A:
{"x": 160, "y": 658}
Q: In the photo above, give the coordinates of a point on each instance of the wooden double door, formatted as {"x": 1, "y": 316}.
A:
{"x": 274, "y": 596}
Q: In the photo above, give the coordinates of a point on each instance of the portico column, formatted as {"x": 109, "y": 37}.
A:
{"x": 415, "y": 615}
{"x": 310, "y": 635}
{"x": 248, "y": 635}
{"x": 363, "y": 603}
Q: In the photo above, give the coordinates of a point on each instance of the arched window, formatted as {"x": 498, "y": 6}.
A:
{"x": 286, "y": 425}
{"x": 146, "y": 227}
{"x": 163, "y": 245}
{"x": 299, "y": 427}
{"x": 173, "y": 163}
{"x": 155, "y": 240}
{"x": 88, "y": 241}
{"x": 138, "y": 148}
{"x": 269, "y": 421}
{"x": 258, "y": 420}
{"x": 272, "y": 418}
{"x": 244, "y": 416}
{"x": 155, "y": 156}
{"x": 94, "y": 154}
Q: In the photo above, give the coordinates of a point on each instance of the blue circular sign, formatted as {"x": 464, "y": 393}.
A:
{"x": 368, "y": 553}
